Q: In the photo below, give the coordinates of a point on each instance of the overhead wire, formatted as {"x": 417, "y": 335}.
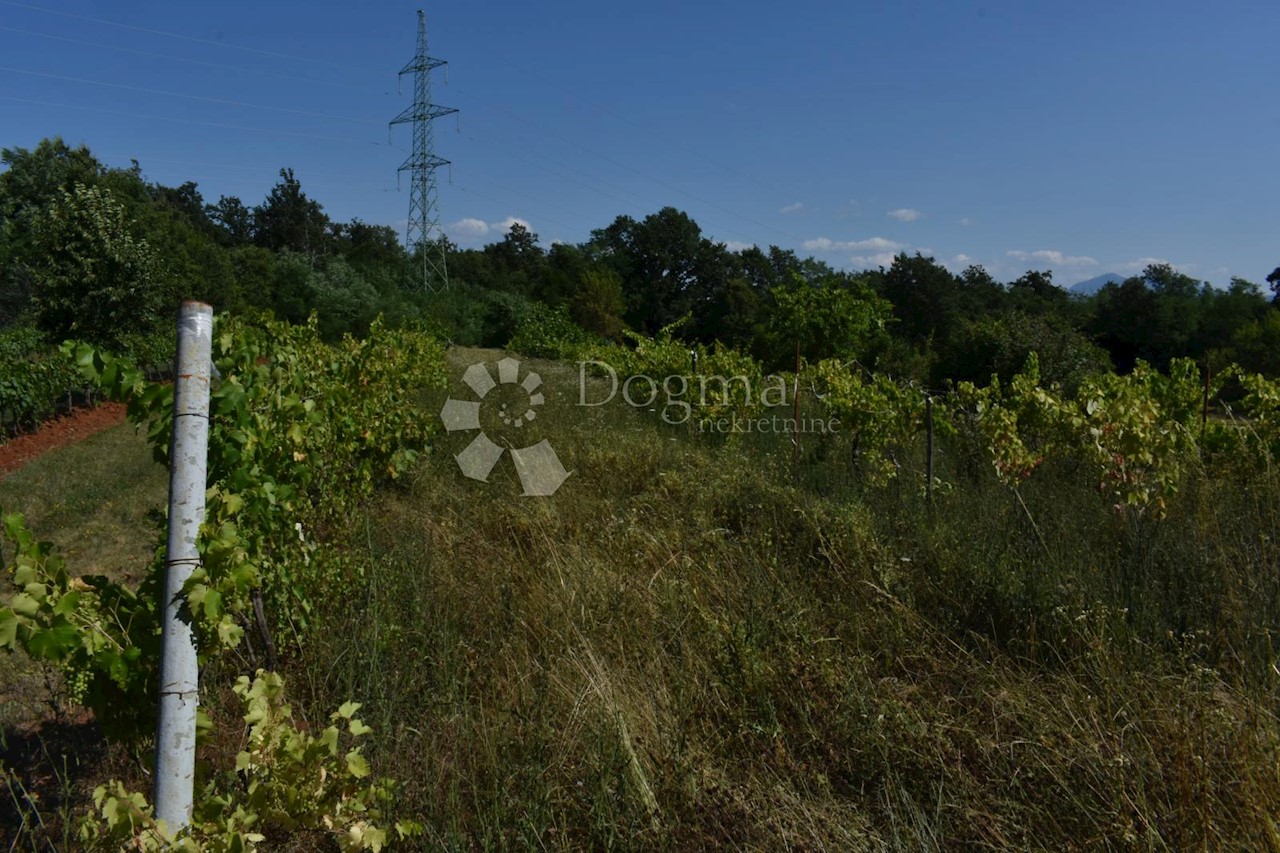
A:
{"x": 645, "y": 205}
{"x": 207, "y": 99}
{"x": 237, "y": 166}
{"x": 183, "y": 59}
{"x": 536, "y": 200}
{"x": 478, "y": 194}
{"x": 193, "y": 39}
{"x": 246, "y": 180}
{"x": 641, "y": 174}
{"x": 604, "y": 108}
{"x": 276, "y": 54}
{"x": 226, "y": 125}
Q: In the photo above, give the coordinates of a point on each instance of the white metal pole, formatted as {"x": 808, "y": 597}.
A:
{"x": 188, "y": 460}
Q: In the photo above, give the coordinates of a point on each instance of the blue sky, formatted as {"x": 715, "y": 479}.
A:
{"x": 1085, "y": 137}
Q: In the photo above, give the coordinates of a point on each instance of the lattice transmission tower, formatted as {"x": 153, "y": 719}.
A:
{"x": 423, "y": 235}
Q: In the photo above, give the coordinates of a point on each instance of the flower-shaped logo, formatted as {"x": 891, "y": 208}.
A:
{"x": 537, "y": 465}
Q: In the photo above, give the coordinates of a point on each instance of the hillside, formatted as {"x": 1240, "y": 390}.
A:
{"x": 1090, "y": 286}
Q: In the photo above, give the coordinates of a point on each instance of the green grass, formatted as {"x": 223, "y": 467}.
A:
{"x": 690, "y": 647}
{"x": 96, "y": 501}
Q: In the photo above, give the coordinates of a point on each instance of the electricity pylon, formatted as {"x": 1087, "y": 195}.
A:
{"x": 423, "y": 235}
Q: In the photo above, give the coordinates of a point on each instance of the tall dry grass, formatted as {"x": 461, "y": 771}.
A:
{"x": 692, "y": 646}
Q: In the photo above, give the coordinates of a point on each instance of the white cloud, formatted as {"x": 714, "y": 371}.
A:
{"x": 866, "y": 262}
{"x": 472, "y": 230}
{"x": 792, "y": 208}
{"x": 904, "y": 214}
{"x": 1138, "y": 264}
{"x": 960, "y": 261}
{"x": 505, "y": 225}
{"x": 469, "y": 228}
{"x": 966, "y": 221}
{"x": 1052, "y": 257}
{"x": 737, "y": 245}
{"x": 873, "y": 244}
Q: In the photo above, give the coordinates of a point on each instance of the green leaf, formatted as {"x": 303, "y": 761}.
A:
{"x": 54, "y": 643}
{"x": 25, "y": 605}
{"x": 357, "y": 764}
{"x": 67, "y": 603}
{"x": 8, "y": 628}
{"x": 212, "y": 604}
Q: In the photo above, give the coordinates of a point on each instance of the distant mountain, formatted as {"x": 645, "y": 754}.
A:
{"x": 1090, "y": 286}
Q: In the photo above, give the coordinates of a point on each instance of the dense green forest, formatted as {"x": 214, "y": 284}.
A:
{"x": 102, "y": 254}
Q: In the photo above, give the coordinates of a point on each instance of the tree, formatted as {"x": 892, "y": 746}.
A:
{"x": 36, "y": 178}
{"x": 1274, "y": 281}
{"x": 185, "y": 202}
{"x": 562, "y": 274}
{"x": 925, "y": 297}
{"x": 33, "y": 180}
{"x": 368, "y": 247}
{"x": 93, "y": 279}
{"x": 517, "y": 260}
{"x": 1256, "y": 346}
{"x": 831, "y": 319}
{"x": 1035, "y": 293}
{"x": 598, "y": 304}
{"x": 287, "y": 219}
{"x": 732, "y": 315}
{"x": 657, "y": 261}
{"x": 765, "y": 271}
{"x": 1000, "y": 345}
{"x": 1123, "y": 317}
{"x": 979, "y": 292}
{"x": 344, "y": 300}
{"x": 1223, "y": 313}
{"x": 234, "y": 221}
{"x": 1177, "y": 315}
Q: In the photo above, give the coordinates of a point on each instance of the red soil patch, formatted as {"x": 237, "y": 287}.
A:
{"x": 59, "y": 432}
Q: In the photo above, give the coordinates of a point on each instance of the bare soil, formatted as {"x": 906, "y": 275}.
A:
{"x": 67, "y": 429}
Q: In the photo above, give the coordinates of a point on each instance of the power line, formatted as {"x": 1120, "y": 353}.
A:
{"x": 189, "y": 121}
{"x": 564, "y": 177}
{"x": 291, "y": 57}
{"x": 620, "y": 117}
{"x": 188, "y": 60}
{"x": 245, "y": 180}
{"x": 237, "y": 166}
{"x": 577, "y": 214}
{"x": 193, "y": 39}
{"x": 490, "y": 198}
{"x": 645, "y": 204}
{"x": 641, "y": 174}
{"x": 145, "y": 90}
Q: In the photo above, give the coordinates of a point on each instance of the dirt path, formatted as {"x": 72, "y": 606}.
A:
{"x": 68, "y": 429}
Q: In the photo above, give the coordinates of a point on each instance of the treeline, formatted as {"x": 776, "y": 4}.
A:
{"x": 915, "y": 319}
{"x": 102, "y": 254}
